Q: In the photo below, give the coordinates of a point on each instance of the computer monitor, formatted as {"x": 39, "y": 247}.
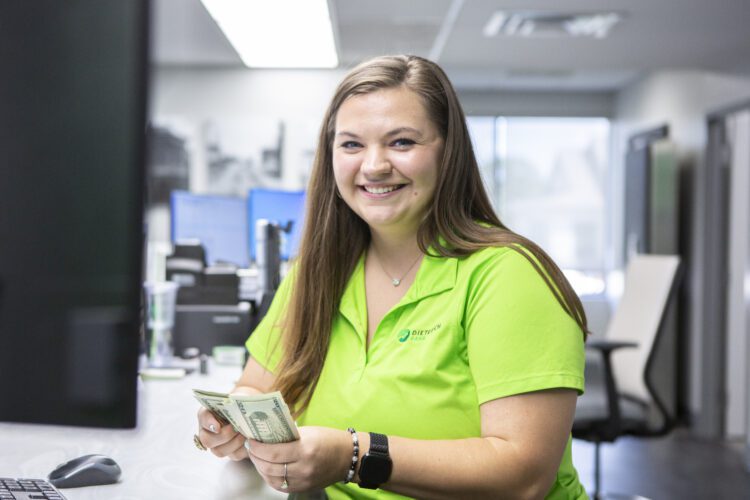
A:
{"x": 72, "y": 134}
{"x": 281, "y": 207}
{"x": 218, "y": 222}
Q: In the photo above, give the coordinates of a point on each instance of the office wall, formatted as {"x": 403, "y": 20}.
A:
{"x": 216, "y": 92}
{"x": 245, "y": 104}
{"x": 537, "y": 103}
{"x": 253, "y": 101}
{"x": 680, "y": 99}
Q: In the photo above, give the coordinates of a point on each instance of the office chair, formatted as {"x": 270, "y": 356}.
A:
{"x": 623, "y": 398}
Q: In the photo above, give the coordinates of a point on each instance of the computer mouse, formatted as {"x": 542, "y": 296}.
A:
{"x": 88, "y": 470}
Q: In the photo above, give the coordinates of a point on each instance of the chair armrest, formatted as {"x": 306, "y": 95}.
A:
{"x": 606, "y": 347}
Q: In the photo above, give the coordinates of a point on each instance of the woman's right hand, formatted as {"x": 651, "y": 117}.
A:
{"x": 221, "y": 440}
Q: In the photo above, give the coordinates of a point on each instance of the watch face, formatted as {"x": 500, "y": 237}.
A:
{"x": 375, "y": 469}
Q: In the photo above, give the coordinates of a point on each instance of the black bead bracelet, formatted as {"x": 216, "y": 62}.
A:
{"x": 355, "y": 456}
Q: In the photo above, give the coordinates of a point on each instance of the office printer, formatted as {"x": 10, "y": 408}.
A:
{"x": 221, "y": 304}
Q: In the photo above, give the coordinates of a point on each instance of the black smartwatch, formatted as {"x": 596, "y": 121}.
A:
{"x": 376, "y": 465}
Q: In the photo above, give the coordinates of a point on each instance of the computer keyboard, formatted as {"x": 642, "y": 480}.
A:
{"x": 28, "y": 489}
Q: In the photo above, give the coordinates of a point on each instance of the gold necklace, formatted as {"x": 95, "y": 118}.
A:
{"x": 397, "y": 281}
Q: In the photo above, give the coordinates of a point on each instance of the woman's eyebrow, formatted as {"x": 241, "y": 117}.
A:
{"x": 391, "y": 133}
{"x": 348, "y": 134}
{"x": 401, "y": 130}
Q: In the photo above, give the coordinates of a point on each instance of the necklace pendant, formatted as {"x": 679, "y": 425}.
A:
{"x": 396, "y": 282}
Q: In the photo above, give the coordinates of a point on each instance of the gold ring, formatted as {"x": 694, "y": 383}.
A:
{"x": 285, "y": 483}
{"x": 198, "y": 443}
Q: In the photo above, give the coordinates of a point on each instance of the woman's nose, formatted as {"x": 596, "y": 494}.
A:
{"x": 376, "y": 164}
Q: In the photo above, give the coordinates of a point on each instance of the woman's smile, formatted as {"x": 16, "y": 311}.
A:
{"x": 381, "y": 191}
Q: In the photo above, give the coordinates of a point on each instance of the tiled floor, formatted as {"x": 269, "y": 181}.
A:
{"x": 676, "y": 467}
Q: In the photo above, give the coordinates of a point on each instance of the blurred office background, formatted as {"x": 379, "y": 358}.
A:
{"x": 562, "y": 98}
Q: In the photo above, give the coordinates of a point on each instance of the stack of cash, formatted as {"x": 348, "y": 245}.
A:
{"x": 262, "y": 417}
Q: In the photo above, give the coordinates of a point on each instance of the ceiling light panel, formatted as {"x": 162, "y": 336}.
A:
{"x": 278, "y": 33}
{"x": 551, "y": 24}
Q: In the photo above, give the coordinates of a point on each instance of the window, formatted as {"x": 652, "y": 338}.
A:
{"x": 548, "y": 181}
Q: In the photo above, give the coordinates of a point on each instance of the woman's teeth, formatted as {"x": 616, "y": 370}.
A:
{"x": 380, "y": 190}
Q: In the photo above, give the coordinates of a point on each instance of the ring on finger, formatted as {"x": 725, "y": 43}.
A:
{"x": 198, "y": 443}
{"x": 285, "y": 483}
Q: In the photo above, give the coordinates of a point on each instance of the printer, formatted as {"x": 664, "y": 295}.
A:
{"x": 221, "y": 304}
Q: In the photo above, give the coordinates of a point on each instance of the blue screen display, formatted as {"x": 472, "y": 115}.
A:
{"x": 280, "y": 207}
{"x": 219, "y": 222}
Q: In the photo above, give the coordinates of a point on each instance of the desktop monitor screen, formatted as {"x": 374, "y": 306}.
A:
{"x": 280, "y": 207}
{"x": 72, "y": 134}
{"x": 218, "y": 222}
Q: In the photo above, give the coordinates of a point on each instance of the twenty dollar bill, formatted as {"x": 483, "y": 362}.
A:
{"x": 262, "y": 417}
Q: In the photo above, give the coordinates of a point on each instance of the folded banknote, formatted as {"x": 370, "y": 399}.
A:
{"x": 262, "y": 417}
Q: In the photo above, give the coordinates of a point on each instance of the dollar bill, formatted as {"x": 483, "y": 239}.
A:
{"x": 263, "y": 417}
{"x": 223, "y": 408}
{"x": 268, "y": 417}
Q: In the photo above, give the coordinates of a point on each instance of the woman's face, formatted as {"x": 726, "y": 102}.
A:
{"x": 386, "y": 155}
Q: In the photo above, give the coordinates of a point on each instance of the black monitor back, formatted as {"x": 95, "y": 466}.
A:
{"x": 72, "y": 130}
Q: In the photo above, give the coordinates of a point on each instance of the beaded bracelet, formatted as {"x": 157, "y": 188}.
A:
{"x": 355, "y": 456}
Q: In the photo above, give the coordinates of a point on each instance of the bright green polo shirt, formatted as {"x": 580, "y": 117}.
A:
{"x": 467, "y": 331}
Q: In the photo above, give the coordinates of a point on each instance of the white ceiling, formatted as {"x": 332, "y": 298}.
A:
{"x": 689, "y": 34}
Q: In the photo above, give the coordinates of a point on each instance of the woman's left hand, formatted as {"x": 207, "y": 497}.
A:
{"x": 321, "y": 457}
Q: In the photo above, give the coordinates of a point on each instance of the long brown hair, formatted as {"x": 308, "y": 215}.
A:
{"x": 334, "y": 236}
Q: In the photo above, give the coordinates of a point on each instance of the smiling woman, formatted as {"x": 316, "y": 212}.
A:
{"x": 414, "y": 313}
{"x": 386, "y": 166}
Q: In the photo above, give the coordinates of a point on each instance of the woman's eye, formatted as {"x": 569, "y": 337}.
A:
{"x": 402, "y": 143}
{"x": 350, "y": 145}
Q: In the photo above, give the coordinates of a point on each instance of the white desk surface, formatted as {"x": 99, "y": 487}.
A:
{"x": 158, "y": 458}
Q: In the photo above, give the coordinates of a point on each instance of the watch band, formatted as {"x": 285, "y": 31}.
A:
{"x": 378, "y": 443}
{"x": 376, "y": 466}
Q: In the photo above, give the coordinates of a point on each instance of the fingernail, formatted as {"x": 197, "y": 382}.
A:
{"x": 212, "y": 428}
{"x": 247, "y": 445}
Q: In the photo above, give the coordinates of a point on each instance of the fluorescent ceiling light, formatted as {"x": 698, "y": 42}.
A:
{"x": 492, "y": 28}
{"x": 551, "y": 24}
{"x": 277, "y": 33}
{"x": 594, "y": 25}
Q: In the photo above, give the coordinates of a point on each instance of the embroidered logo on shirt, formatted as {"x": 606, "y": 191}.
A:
{"x": 416, "y": 335}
